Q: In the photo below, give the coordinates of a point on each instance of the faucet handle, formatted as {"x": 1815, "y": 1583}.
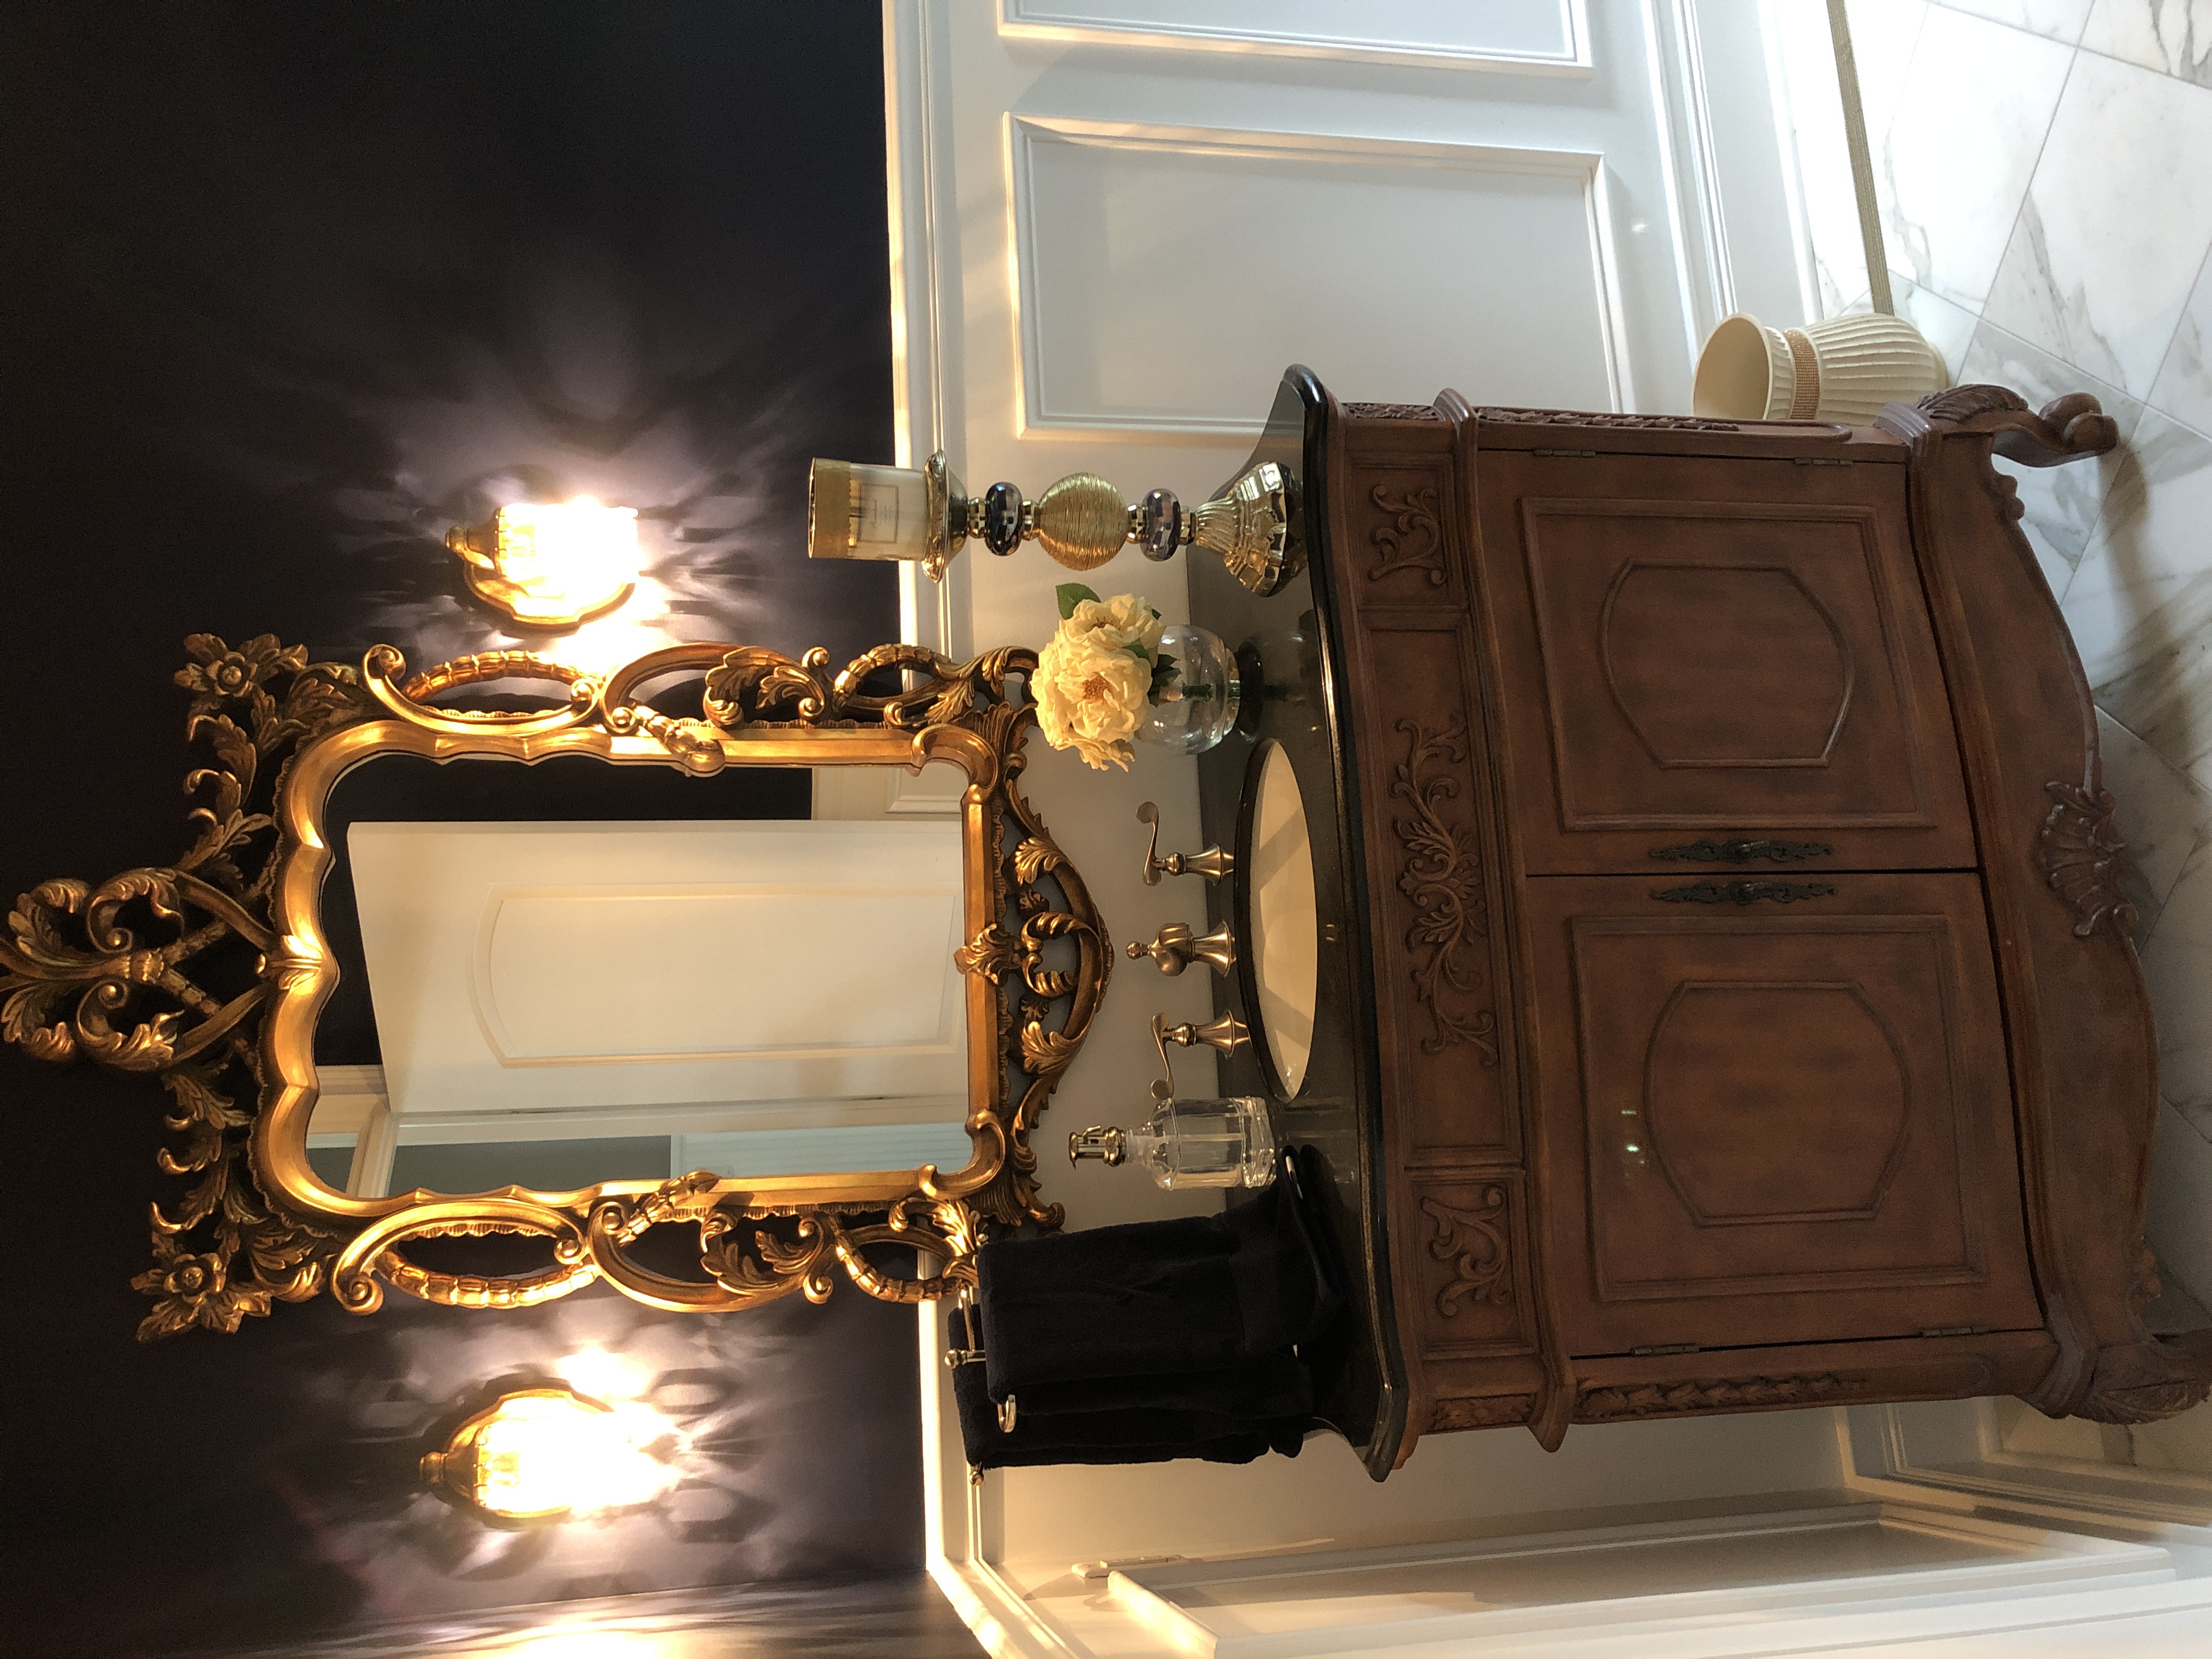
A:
{"x": 1177, "y": 948}
{"x": 1213, "y": 863}
{"x": 1227, "y": 1033}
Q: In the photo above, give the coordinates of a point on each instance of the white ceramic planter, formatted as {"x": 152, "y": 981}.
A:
{"x": 1842, "y": 369}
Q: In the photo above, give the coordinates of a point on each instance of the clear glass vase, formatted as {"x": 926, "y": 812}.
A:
{"x": 1195, "y": 690}
{"x": 1192, "y": 1143}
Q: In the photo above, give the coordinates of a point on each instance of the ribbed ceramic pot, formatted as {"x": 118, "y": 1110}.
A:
{"x": 1842, "y": 369}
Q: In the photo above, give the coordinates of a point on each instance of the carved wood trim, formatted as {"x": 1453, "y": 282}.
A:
{"x": 2064, "y": 429}
{"x": 1626, "y": 423}
{"x": 1391, "y": 412}
{"x": 1597, "y": 1403}
{"x": 1414, "y": 539}
{"x": 2153, "y": 1403}
{"x": 1743, "y": 892}
{"x": 1489, "y": 1411}
{"x": 1442, "y": 876}
{"x": 1707, "y": 851}
{"x": 1960, "y": 404}
{"x": 2156, "y": 1377}
{"x": 2003, "y": 635}
{"x": 2080, "y": 854}
{"x": 1474, "y": 1242}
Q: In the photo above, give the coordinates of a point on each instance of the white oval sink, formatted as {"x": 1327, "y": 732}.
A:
{"x": 1284, "y": 947}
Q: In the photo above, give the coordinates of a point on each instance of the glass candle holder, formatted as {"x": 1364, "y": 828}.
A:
{"x": 855, "y": 511}
{"x": 1216, "y": 1142}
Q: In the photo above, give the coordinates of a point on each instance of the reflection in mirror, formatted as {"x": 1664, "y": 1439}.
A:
{"x": 566, "y": 973}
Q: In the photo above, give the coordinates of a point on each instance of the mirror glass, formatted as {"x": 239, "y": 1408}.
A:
{"x": 1285, "y": 947}
{"x": 558, "y": 974}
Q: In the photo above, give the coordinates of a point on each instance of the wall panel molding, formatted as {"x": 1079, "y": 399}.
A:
{"x": 1188, "y": 26}
{"x": 1044, "y": 305}
{"x": 1953, "y": 1446}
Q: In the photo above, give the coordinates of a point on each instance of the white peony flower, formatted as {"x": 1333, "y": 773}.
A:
{"x": 1091, "y": 690}
{"x": 1124, "y": 620}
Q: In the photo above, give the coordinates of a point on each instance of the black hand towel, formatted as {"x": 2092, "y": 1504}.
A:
{"x": 1274, "y": 1385}
{"x": 1147, "y": 1435}
{"x": 1199, "y": 1293}
{"x": 1156, "y": 1340}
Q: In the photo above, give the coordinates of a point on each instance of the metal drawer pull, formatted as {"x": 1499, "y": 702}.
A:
{"x": 1744, "y": 852}
{"x": 1743, "y": 892}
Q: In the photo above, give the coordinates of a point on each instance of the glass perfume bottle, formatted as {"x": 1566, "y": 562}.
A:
{"x": 1191, "y": 1143}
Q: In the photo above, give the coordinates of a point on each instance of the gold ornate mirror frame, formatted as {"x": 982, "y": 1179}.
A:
{"x": 222, "y": 1009}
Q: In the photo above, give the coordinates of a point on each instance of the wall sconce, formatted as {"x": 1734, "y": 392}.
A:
{"x": 860, "y": 511}
{"x": 549, "y": 1453}
{"x": 551, "y": 566}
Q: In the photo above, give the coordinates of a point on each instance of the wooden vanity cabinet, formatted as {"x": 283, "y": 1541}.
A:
{"x": 1755, "y": 1020}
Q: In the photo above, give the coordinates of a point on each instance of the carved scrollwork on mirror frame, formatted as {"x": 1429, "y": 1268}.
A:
{"x": 208, "y": 974}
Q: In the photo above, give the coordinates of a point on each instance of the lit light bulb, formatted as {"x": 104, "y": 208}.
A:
{"x": 551, "y": 565}
{"x": 550, "y": 1454}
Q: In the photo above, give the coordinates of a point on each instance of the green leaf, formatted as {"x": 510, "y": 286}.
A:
{"x": 1137, "y": 650}
{"x": 1071, "y": 595}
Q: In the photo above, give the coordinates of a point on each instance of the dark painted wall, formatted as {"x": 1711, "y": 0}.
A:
{"x": 284, "y": 291}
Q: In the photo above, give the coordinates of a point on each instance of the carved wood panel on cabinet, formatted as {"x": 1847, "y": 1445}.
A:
{"x": 1775, "y": 1110}
{"x": 1714, "y": 648}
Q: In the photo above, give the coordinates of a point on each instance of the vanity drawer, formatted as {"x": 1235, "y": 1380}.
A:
{"x": 1716, "y": 650}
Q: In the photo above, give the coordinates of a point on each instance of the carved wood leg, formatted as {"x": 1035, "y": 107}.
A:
{"x": 2077, "y": 1014}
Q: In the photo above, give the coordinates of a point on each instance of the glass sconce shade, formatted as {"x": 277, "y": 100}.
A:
{"x": 548, "y": 1454}
{"x": 550, "y": 565}
{"x": 860, "y": 511}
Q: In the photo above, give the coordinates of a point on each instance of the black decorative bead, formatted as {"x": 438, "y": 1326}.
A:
{"x": 1161, "y": 524}
{"x": 1002, "y": 518}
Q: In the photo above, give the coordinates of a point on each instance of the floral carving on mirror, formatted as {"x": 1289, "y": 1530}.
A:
{"x": 208, "y": 974}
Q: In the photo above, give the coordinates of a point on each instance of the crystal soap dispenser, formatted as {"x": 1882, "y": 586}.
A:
{"x": 1191, "y": 1143}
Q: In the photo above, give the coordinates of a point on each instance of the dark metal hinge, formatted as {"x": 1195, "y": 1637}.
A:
{"x": 1575, "y": 454}
{"x": 1669, "y": 1347}
{"x": 1957, "y": 1330}
{"x": 1816, "y": 461}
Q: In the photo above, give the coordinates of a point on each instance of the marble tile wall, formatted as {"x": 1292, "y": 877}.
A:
{"x": 2048, "y": 217}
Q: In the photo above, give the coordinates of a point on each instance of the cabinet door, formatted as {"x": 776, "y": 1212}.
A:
{"x": 1773, "y": 1122}
{"x": 1706, "y": 649}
